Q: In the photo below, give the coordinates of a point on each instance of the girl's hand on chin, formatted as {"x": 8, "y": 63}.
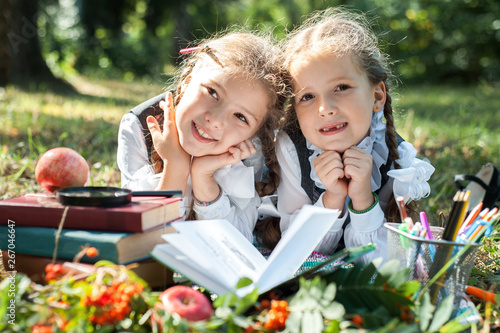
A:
{"x": 358, "y": 170}
{"x": 167, "y": 143}
{"x": 330, "y": 170}
{"x": 210, "y": 163}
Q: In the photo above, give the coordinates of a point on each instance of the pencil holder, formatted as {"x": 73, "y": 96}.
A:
{"x": 426, "y": 258}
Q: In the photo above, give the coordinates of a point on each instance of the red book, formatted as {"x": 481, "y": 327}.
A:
{"x": 142, "y": 214}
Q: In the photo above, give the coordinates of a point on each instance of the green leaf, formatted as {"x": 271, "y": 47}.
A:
{"x": 367, "y": 274}
{"x": 246, "y": 302}
{"x": 223, "y": 312}
{"x": 242, "y": 321}
{"x": 293, "y": 322}
{"x": 316, "y": 292}
{"x": 312, "y": 322}
{"x": 454, "y": 326}
{"x": 339, "y": 276}
{"x": 213, "y": 324}
{"x": 408, "y": 288}
{"x": 354, "y": 273}
{"x": 244, "y": 282}
{"x": 398, "y": 278}
{"x": 426, "y": 310}
{"x": 334, "y": 311}
{"x": 442, "y": 314}
{"x": 104, "y": 263}
{"x": 386, "y": 271}
{"x": 330, "y": 292}
{"x": 23, "y": 283}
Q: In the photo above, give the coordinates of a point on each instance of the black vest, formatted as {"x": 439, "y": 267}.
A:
{"x": 303, "y": 154}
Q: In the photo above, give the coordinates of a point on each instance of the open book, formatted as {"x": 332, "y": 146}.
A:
{"x": 215, "y": 255}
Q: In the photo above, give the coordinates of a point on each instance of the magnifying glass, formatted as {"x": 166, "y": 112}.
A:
{"x": 103, "y": 196}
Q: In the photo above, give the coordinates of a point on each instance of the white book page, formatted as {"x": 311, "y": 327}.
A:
{"x": 204, "y": 257}
{"x": 178, "y": 261}
{"x": 188, "y": 248}
{"x": 308, "y": 228}
{"x": 223, "y": 245}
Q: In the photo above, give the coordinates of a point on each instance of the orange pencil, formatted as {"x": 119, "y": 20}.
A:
{"x": 478, "y": 229}
{"x": 487, "y": 296}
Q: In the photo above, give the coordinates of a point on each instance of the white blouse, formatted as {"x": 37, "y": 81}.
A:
{"x": 239, "y": 201}
{"x": 410, "y": 181}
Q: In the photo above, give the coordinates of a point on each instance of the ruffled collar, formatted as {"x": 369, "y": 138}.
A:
{"x": 373, "y": 144}
{"x": 410, "y": 182}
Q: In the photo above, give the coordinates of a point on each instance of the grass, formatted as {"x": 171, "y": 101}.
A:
{"x": 455, "y": 128}
{"x": 34, "y": 122}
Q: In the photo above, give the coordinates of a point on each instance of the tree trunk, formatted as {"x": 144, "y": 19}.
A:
{"x": 21, "y": 60}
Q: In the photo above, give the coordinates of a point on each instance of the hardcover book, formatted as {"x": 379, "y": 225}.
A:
{"x": 215, "y": 255}
{"x": 142, "y": 214}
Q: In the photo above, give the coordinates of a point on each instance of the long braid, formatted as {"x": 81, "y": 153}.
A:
{"x": 268, "y": 232}
{"x": 391, "y": 131}
{"x": 392, "y": 211}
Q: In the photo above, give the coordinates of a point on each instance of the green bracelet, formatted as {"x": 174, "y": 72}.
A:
{"x": 375, "y": 196}
{"x": 207, "y": 203}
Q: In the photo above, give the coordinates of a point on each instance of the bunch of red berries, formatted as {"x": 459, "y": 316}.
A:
{"x": 53, "y": 271}
{"x": 277, "y": 315}
{"x": 109, "y": 304}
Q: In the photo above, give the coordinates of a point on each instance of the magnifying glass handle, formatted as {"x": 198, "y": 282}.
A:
{"x": 163, "y": 193}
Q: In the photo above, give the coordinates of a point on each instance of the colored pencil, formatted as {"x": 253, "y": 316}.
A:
{"x": 471, "y": 217}
{"x": 425, "y": 224}
{"x": 402, "y": 209}
{"x": 453, "y": 217}
{"x": 461, "y": 216}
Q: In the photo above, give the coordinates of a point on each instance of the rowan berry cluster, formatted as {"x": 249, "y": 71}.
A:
{"x": 109, "y": 304}
{"x": 53, "y": 271}
{"x": 277, "y": 315}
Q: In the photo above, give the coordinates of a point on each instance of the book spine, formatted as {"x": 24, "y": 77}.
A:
{"x": 41, "y": 242}
{"x": 134, "y": 218}
{"x": 76, "y": 218}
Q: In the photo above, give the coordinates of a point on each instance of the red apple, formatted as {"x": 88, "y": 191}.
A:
{"x": 61, "y": 167}
{"x": 187, "y": 302}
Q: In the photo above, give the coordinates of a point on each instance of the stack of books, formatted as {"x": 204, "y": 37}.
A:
{"x": 123, "y": 235}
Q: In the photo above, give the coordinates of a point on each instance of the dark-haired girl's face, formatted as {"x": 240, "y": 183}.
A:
{"x": 218, "y": 110}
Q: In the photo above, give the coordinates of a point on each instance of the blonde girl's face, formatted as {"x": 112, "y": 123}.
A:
{"x": 218, "y": 110}
{"x": 334, "y": 101}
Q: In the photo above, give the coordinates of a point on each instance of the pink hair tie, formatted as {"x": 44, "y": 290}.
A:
{"x": 189, "y": 49}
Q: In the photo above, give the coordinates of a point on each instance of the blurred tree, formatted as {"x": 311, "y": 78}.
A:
{"x": 436, "y": 41}
{"x": 20, "y": 54}
{"x": 430, "y": 40}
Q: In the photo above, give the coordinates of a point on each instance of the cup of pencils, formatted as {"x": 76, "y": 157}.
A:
{"x": 441, "y": 258}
